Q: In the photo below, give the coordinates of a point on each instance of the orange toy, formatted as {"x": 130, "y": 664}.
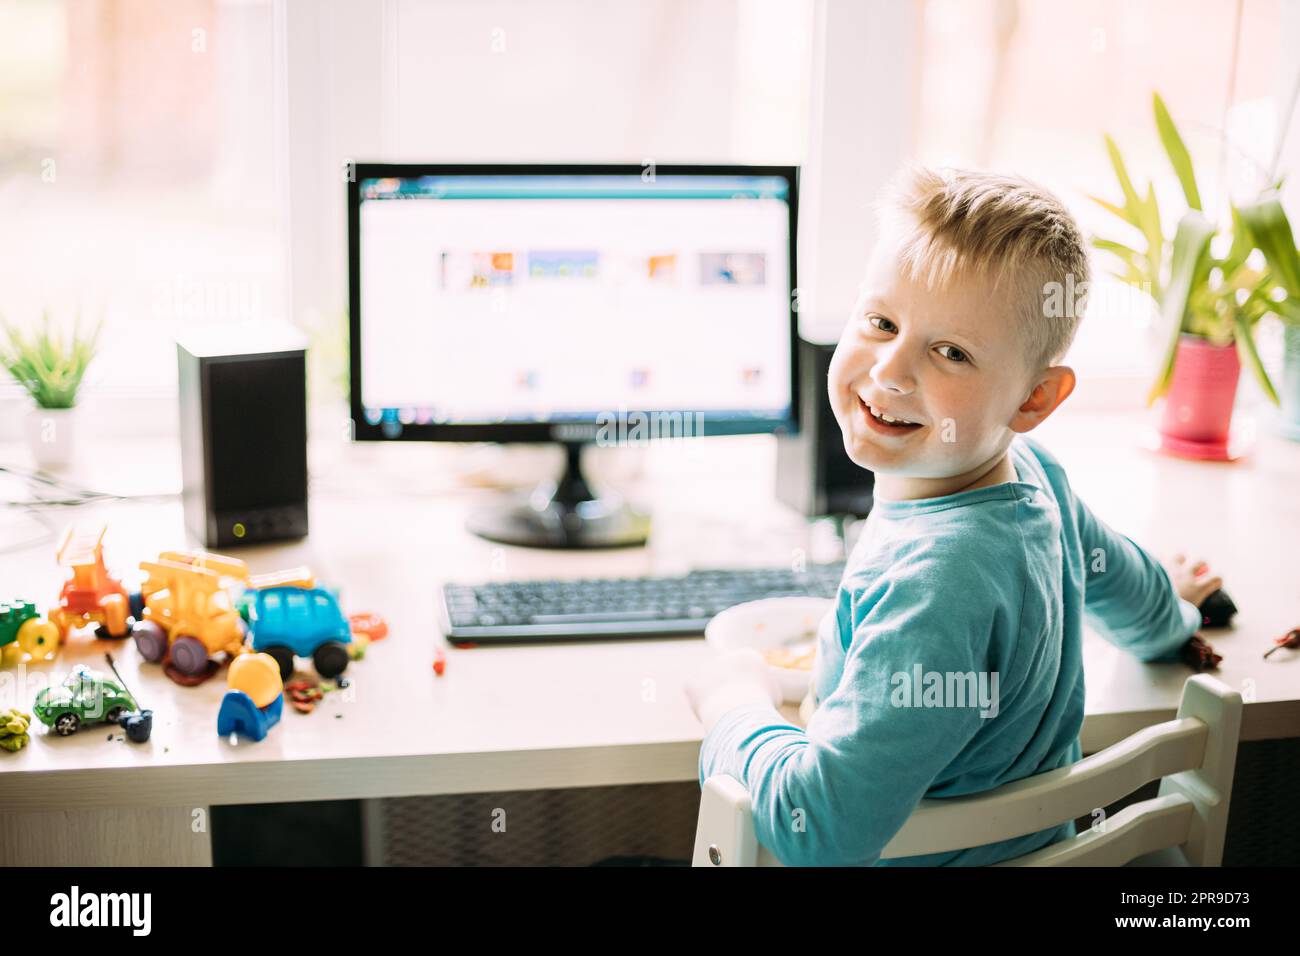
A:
{"x": 258, "y": 676}
{"x": 372, "y": 626}
{"x": 90, "y": 593}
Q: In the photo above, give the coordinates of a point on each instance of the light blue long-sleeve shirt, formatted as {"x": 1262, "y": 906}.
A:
{"x": 987, "y": 589}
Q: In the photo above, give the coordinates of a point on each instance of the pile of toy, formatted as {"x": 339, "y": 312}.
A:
{"x": 193, "y": 611}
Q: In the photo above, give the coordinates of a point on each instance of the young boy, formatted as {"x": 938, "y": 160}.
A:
{"x": 951, "y": 663}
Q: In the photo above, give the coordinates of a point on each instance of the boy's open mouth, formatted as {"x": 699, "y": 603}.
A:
{"x": 884, "y": 424}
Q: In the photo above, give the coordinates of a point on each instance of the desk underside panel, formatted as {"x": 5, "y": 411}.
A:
{"x": 112, "y": 836}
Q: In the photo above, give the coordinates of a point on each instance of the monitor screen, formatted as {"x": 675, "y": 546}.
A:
{"x": 532, "y": 298}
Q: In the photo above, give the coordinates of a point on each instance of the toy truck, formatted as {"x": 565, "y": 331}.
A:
{"x": 187, "y": 610}
{"x": 305, "y": 622}
{"x": 90, "y": 594}
{"x": 299, "y": 577}
{"x": 226, "y": 568}
{"x": 22, "y": 628}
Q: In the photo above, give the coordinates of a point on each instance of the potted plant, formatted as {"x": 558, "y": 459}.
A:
{"x": 50, "y": 367}
{"x": 1271, "y": 231}
{"x": 1209, "y": 303}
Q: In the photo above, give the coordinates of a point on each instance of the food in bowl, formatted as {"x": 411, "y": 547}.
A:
{"x": 783, "y": 630}
{"x": 798, "y": 657}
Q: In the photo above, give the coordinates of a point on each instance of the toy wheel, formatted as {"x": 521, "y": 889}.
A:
{"x": 136, "y": 602}
{"x": 66, "y": 724}
{"x": 150, "y": 641}
{"x": 331, "y": 659}
{"x": 114, "y": 713}
{"x": 38, "y": 638}
{"x": 284, "y": 657}
{"x": 189, "y": 655}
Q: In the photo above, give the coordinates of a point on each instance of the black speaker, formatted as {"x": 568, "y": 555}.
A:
{"x": 243, "y": 404}
{"x": 814, "y": 475}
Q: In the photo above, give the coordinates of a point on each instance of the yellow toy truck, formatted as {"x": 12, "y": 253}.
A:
{"x": 188, "y": 611}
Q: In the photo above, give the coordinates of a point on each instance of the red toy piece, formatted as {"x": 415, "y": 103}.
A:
{"x": 371, "y": 625}
{"x": 304, "y": 694}
{"x": 1289, "y": 640}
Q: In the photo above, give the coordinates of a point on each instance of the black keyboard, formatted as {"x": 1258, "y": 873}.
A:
{"x": 596, "y": 608}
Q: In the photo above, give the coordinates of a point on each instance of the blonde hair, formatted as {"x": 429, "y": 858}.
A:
{"x": 957, "y": 222}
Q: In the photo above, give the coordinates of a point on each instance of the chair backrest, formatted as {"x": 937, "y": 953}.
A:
{"x": 1194, "y": 757}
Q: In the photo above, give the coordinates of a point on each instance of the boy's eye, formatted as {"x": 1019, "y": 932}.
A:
{"x": 882, "y": 323}
{"x": 954, "y": 354}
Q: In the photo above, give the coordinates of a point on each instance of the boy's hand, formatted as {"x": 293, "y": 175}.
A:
{"x": 731, "y": 680}
{"x": 1192, "y": 580}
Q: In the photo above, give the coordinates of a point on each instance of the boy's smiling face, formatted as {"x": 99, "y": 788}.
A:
{"x": 950, "y": 361}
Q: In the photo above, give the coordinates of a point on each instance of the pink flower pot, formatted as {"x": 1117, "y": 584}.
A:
{"x": 1198, "y": 407}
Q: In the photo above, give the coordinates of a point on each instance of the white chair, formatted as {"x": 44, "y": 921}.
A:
{"x": 1194, "y": 756}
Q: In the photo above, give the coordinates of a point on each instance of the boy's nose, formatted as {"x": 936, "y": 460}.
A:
{"x": 890, "y": 372}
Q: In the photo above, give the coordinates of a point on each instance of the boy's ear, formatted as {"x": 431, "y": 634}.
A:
{"x": 1053, "y": 387}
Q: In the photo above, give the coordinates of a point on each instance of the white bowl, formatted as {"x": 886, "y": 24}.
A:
{"x": 770, "y": 623}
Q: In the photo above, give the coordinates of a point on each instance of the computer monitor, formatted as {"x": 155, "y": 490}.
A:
{"x": 574, "y": 304}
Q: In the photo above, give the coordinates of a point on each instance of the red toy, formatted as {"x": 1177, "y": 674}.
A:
{"x": 90, "y": 594}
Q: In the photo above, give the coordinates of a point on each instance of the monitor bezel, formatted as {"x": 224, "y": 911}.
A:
{"x": 363, "y": 430}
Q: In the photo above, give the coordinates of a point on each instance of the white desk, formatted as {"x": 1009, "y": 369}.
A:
{"x": 555, "y": 716}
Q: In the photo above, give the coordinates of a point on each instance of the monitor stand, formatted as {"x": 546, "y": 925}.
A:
{"x": 564, "y": 514}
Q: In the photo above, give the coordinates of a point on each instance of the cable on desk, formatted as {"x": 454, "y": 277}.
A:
{"x": 73, "y": 495}
{"x": 70, "y": 496}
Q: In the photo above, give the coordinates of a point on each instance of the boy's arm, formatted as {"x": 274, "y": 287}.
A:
{"x": 837, "y": 793}
{"x": 1128, "y": 596}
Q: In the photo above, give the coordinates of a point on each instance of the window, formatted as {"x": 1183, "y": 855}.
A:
{"x": 137, "y": 168}
{"x": 175, "y": 161}
{"x": 1030, "y": 86}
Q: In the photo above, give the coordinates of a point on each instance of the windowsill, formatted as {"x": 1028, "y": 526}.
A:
{"x": 151, "y": 412}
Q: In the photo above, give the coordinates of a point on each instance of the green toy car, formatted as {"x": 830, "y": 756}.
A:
{"x": 85, "y": 696}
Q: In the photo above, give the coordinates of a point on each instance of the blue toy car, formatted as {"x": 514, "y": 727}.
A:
{"x": 306, "y": 622}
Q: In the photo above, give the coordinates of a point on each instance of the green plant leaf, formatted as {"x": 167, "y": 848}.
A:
{"x": 1288, "y": 309}
{"x": 1190, "y": 254}
{"x": 1249, "y": 356}
{"x": 1155, "y": 239}
{"x": 1271, "y": 230}
{"x": 1176, "y": 149}
{"x": 1242, "y": 244}
{"x": 1112, "y": 208}
{"x": 1132, "y": 205}
{"x": 46, "y": 365}
{"x": 1128, "y": 255}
